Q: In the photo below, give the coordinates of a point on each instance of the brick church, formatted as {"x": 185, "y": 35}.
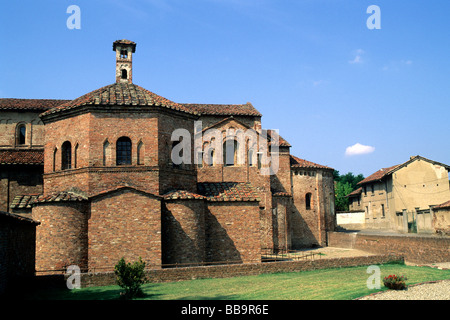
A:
{"x": 99, "y": 176}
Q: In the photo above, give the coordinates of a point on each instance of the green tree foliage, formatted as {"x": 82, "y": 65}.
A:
{"x": 130, "y": 276}
{"x": 344, "y": 184}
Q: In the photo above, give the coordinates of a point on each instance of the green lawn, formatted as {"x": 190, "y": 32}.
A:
{"x": 328, "y": 284}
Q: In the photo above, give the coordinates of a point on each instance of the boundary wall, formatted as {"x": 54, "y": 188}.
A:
{"x": 415, "y": 248}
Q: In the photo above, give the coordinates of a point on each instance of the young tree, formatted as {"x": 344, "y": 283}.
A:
{"x": 130, "y": 276}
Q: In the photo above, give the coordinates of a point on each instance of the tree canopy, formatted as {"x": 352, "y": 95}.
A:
{"x": 344, "y": 184}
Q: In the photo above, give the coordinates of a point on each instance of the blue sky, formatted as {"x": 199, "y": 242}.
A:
{"x": 311, "y": 67}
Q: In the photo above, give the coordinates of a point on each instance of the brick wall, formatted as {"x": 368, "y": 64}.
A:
{"x": 233, "y": 231}
{"x": 61, "y": 237}
{"x": 415, "y": 248}
{"x": 124, "y": 223}
{"x": 183, "y": 231}
{"x": 309, "y": 226}
{"x": 18, "y": 180}
{"x": 234, "y": 270}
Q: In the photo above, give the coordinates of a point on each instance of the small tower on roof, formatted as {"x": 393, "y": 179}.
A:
{"x": 124, "y": 60}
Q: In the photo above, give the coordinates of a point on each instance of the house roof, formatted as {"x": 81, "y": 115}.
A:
{"x": 228, "y": 191}
{"x": 29, "y": 104}
{"x": 59, "y": 196}
{"x": 354, "y": 193}
{"x": 380, "y": 174}
{"x": 17, "y": 218}
{"x": 223, "y": 109}
{"x": 301, "y": 163}
{"x": 122, "y": 94}
{"x": 23, "y": 201}
{"x": 17, "y": 156}
{"x": 126, "y": 42}
{"x": 182, "y": 195}
{"x": 443, "y": 205}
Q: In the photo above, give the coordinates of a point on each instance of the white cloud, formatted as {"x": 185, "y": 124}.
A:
{"x": 358, "y": 149}
{"x": 358, "y": 58}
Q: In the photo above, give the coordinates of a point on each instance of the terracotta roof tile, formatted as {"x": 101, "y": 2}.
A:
{"x": 16, "y": 156}
{"x": 125, "y": 41}
{"x": 443, "y": 205}
{"x": 228, "y": 191}
{"x": 122, "y": 94}
{"x": 23, "y": 201}
{"x": 354, "y": 193}
{"x": 182, "y": 194}
{"x": 60, "y": 196}
{"x": 380, "y": 174}
{"x": 301, "y": 163}
{"x": 224, "y": 109}
{"x": 29, "y": 104}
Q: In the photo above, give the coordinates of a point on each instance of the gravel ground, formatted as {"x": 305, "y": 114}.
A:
{"x": 439, "y": 290}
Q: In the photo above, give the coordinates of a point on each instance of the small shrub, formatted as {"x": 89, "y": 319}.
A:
{"x": 395, "y": 282}
{"x": 130, "y": 276}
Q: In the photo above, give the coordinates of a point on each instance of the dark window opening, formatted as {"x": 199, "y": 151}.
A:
{"x": 308, "y": 201}
{"x": 124, "y": 74}
{"x": 123, "y": 151}
{"x": 123, "y": 54}
{"x": 21, "y": 134}
{"x": 66, "y": 156}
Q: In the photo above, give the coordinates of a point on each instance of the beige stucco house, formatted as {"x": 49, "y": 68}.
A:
{"x": 401, "y": 197}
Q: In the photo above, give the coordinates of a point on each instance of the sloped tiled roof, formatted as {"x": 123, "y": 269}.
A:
{"x": 17, "y": 156}
{"x": 60, "y": 196}
{"x": 122, "y": 94}
{"x": 223, "y": 109}
{"x": 301, "y": 163}
{"x": 443, "y": 205}
{"x": 183, "y": 195}
{"x": 228, "y": 191}
{"x": 125, "y": 41}
{"x": 354, "y": 193}
{"x": 17, "y": 218}
{"x": 29, "y": 104}
{"x": 23, "y": 201}
{"x": 380, "y": 174}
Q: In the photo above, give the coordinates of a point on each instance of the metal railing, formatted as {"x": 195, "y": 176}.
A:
{"x": 282, "y": 254}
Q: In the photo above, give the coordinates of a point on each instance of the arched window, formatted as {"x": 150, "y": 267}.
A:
{"x": 66, "y": 156}
{"x": 230, "y": 152}
{"x": 123, "y": 151}
{"x": 308, "y": 201}
{"x": 124, "y": 74}
{"x": 21, "y": 134}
